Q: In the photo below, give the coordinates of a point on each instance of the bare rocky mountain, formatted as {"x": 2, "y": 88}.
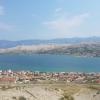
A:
{"x": 78, "y": 49}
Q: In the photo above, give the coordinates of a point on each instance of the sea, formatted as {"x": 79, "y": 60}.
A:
{"x": 49, "y": 63}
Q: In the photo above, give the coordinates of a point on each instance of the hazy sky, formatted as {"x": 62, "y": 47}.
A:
{"x": 47, "y": 19}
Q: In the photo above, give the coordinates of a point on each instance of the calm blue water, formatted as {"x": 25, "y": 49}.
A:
{"x": 49, "y": 63}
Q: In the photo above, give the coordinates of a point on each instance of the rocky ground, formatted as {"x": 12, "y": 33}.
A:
{"x": 87, "y": 94}
{"x": 33, "y": 93}
{"x": 48, "y": 92}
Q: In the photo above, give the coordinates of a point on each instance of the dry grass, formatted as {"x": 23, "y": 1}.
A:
{"x": 69, "y": 89}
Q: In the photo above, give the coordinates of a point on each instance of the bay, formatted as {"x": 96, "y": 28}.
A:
{"x": 47, "y": 62}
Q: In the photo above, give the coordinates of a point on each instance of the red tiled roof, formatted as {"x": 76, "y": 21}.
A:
{"x": 7, "y": 79}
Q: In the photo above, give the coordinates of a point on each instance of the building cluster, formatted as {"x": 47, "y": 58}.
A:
{"x": 9, "y": 76}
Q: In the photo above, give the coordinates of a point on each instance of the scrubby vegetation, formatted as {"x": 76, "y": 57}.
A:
{"x": 66, "y": 97}
{"x": 22, "y": 98}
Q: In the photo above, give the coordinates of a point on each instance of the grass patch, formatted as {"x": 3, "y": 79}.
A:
{"x": 67, "y": 89}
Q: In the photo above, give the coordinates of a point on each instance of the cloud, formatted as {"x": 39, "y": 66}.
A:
{"x": 1, "y": 10}
{"x": 6, "y": 27}
{"x": 65, "y": 23}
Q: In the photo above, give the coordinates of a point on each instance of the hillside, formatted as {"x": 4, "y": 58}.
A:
{"x": 79, "y": 49}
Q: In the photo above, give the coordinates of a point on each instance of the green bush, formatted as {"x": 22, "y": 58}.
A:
{"x": 14, "y": 98}
{"x": 67, "y": 97}
{"x": 22, "y": 98}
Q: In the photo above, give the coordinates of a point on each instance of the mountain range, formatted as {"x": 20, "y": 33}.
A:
{"x": 75, "y": 40}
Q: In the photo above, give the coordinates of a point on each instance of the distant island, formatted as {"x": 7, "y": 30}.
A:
{"x": 71, "y": 46}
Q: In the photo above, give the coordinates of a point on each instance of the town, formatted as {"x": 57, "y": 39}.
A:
{"x": 33, "y": 77}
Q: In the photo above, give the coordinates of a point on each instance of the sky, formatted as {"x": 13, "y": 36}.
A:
{"x": 49, "y": 19}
